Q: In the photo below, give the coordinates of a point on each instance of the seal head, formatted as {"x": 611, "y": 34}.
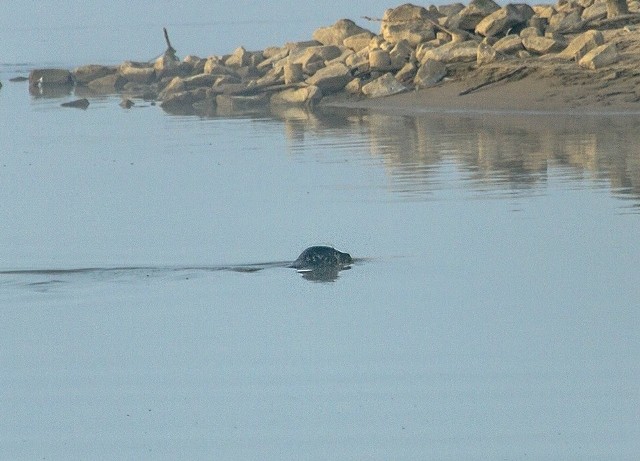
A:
{"x": 322, "y": 257}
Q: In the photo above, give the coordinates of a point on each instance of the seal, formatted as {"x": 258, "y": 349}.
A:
{"x": 322, "y": 257}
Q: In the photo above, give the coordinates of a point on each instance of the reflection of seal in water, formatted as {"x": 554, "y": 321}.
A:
{"x": 321, "y": 257}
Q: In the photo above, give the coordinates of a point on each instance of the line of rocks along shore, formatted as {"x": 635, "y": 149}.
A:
{"x": 416, "y": 47}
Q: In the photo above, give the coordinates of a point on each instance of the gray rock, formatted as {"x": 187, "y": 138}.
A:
{"x": 385, "y": 85}
{"x": 450, "y": 9}
{"x": 183, "y": 99}
{"x": 84, "y": 74}
{"x": 401, "y": 53}
{"x": 594, "y": 12}
{"x": 500, "y": 21}
{"x": 358, "y": 41}
{"x": 108, "y": 84}
{"x": 541, "y": 45}
{"x": 407, "y": 22}
{"x": 297, "y": 96}
{"x": 564, "y": 22}
{"x": 485, "y": 54}
{"x": 337, "y": 33}
{"x": 50, "y": 77}
{"x": 453, "y": 52}
{"x": 407, "y": 73}
{"x": 139, "y": 72}
{"x": 354, "y": 86}
{"x": 214, "y": 66}
{"x": 77, "y": 104}
{"x": 379, "y": 60}
{"x": 530, "y": 32}
{"x": 582, "y": 44}
{"x": 293, "y": 73}
{"x": 239, "y": 58}
{"x": 430, "y": 73}
{"x": 599, "y": 57}
{"x": 472, "y": 14}
{"x": 359, "y": 61}
{"x": 331, "y": 79}
{"x": 126, "y": 103}
{"x": 313, "y": 58}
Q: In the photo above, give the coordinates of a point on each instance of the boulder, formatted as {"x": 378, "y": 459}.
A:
{"x": 407, "y": 22}
{"x": 337, "y": 33}
{"x": 379, "y": 60}
{"x": 226, "y": 80}
{"x": 599, "y": 57}
{"x": 430, "y": 73}
{"x": 400, "y": 54}
{"x": 470, "y": 16}
{"x": 485, "y": 54}
{"x": 565, "y": 22}
{"x": 358, "y": 41}
{"x": 138, "y": 72}
{"x": 84, "y": 74}
{"x": 78, "y": 104}
{"x": 273, "y": 76}
{"x": 126, "y": 103}
{"x": 582, "y": 44}
{"x": 239, "y": 58}
{"x": 199, "y": 81}
{"x": 248, "y": 73}
{"x": 500, "y": 21}
{"x": 450, "y": 9}
{"x": 50, "y": 77}
{"x": 541, "y": 45}
{"x": 385, "y": 85}
{"x": 314, "y": 57}
{"x": 453, "y": 52}
{"x": 169, "y": 65}
{"x": 308, "y": 95}
{"x": 595, "y": 12}
{"x": 354, "y": 86}
{"x": 108, "y": 84}
{"x": 530, "y": 32}
{"x": 273, "y": 59}
{"x": 331, "y": 79}
{"x": 407, "y": 73}
{"x": 359, "y": 61}
{"x": 214, "y": 65}
{"x": 184, "y": 98}
{"x": 293, "y": 73}
{"x": 544, "y": 11}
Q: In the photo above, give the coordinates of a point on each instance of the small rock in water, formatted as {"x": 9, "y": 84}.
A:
{"x": 19, "y": 79}
{"x": 127, "y": 103}
{"x": 78, "y": 103}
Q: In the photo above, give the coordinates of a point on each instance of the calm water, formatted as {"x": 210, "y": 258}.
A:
{"x": 494, "y": 316}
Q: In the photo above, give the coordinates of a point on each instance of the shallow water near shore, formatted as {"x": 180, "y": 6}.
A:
{"x": 493, "y": 313}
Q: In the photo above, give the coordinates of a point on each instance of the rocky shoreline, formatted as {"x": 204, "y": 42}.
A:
{"x": 431, "y": 57}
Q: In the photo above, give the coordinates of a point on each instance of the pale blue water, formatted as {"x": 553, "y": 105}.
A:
{"x": 497, "y": 316}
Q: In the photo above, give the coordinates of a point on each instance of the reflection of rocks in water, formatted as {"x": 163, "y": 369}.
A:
{"x": 503, "y": 151}
{"x": 50, "y": 91}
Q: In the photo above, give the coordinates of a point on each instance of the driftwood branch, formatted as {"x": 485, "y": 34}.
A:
{"x": 492, "y": 80}
{"x": 170, "y": 49}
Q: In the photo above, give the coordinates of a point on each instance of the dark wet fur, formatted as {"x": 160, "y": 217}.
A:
{"x": 322, "y": 257}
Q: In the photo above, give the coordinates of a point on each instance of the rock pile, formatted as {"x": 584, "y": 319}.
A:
{"x": 416, "y": 47}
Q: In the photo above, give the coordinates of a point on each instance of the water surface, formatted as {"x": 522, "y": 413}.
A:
{"x": 495, "y": 313}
